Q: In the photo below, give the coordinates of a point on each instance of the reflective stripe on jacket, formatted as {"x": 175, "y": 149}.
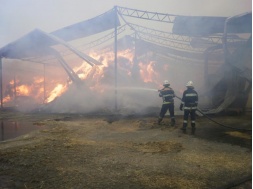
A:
{"x": 190, "y": 99}
{"x": 167, "y": 94}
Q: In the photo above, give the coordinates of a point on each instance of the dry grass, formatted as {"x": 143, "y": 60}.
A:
{"x": 126, "y": 153}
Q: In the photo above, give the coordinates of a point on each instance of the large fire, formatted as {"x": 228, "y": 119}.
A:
{"x": 57, "y": 91}
{"x": 94, "y": 77}
{"x": 147, "y": 71}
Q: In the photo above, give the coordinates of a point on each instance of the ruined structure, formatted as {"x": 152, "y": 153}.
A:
{"x": 214, "y": 52}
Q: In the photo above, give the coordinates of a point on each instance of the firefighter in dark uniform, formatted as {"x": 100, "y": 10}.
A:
{"x": 167, "y": 95}
{"x": 189, "y": 105}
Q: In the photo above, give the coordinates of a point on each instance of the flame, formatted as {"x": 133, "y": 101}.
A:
{"x": 57, "y": 91}
{"x": 17, "y": 87}
{"x": 6, "y": 99}
{"x": 148, "y": 74}
{"x": 96, "y": 78}
{"x": 38, "y": 80}
{"x": 23, "y": 90}
{"x": 82, "y": 71}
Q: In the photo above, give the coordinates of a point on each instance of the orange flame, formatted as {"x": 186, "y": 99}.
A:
{"x": 57, "y": 91}
{"x": 6, "y": 99}
{"x": 92, "y": 76}
{"x": 23, "y": 90}
{"x": 147, "y": 72}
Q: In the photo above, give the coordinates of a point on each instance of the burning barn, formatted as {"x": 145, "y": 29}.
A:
{"x": 113, "y": 62}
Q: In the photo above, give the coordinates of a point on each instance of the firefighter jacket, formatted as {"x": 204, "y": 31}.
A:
{"x": 190, "y": 99}
{"x": 167, "y": 94}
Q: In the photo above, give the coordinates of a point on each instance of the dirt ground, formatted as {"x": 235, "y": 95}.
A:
{"x": 115, "y": 151}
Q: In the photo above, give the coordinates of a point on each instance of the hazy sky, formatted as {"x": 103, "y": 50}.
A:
{"x": 18, "y": 17}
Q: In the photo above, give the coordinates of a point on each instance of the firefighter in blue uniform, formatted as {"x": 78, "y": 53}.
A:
{"x": 167, "y": 95}
{"x": 189, "y": 105}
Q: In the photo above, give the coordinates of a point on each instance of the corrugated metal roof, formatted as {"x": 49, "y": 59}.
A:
{"x": 86, "y": 28}
{"x": 204, "y": 25}
{"x": 37, "y": 43}
{"x": 33, "y": 44}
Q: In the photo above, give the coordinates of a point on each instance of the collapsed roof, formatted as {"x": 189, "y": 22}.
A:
{"x": 191, "y": 37}
{"x": 37, "y": 43}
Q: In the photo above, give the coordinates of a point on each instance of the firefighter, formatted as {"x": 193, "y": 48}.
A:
{"x": 167, "y": 95}
{"x": 189, "y": 105}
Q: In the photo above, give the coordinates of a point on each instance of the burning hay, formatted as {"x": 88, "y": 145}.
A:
{"x": 96, "y": 92}
{"x": 111, "y": 149}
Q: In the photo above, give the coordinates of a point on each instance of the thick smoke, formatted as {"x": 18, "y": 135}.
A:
{"x": 135, "y": 90}
{"x": 132, "y": 88}
{"x": 99, "y": 92}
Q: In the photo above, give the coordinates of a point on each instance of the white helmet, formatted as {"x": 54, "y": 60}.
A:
{"x": 189, "y": 84}
{"x": 166, "y": 82}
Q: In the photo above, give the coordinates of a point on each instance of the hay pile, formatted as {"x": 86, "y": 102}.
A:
{"x": 87, "y": 152}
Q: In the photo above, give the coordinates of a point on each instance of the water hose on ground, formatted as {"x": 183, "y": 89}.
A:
{"x": 201, "y": 112}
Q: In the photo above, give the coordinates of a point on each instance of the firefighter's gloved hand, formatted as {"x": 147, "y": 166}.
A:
{"x": 181, "y": 107}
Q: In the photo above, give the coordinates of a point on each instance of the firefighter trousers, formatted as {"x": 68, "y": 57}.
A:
{"x": 192, "y": 113}
{"x": 164, "y": 109}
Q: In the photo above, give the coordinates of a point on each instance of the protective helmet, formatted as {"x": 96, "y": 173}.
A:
{"x": 189, "y": 84}
{"x": 166, "y": 82}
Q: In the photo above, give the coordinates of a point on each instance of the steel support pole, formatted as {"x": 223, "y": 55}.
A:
{"x": 206, "y": 69}
{"x": 115, "y": 58}
{"x": 44, "y": 83}
{"x": 15, "y": 89}
{"x": 1, "y": 82}
{"x": 135, "y": 66}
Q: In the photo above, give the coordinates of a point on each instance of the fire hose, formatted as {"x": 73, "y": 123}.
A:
{"x": 201, "y": 112}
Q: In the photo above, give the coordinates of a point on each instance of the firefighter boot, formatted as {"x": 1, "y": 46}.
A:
{"x": 173, "y": 122}
{"x": 193, "y": 127}
{"x": 159, "y": 120}
{"x": 184, "y": 126}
